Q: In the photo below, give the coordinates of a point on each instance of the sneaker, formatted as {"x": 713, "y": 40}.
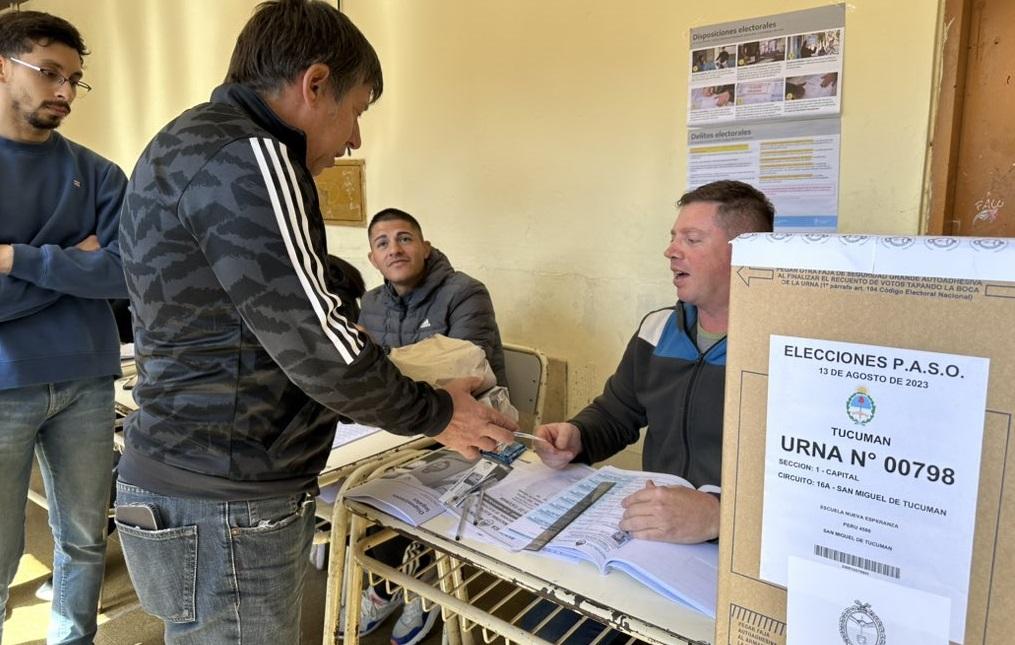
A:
{"x": 414, "y": 624}
{"x": 45, "y": 591}
{"x": 373, "y": 610}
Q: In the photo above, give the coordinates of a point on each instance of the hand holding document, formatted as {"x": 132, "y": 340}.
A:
{"x": 460, "y": 367}
{"x": 473, "y": 426}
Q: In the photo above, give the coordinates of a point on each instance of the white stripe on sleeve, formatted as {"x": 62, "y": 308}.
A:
{"x": 297, "y": 251}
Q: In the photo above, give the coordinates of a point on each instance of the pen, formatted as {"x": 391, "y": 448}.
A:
{"x": 526, "y": 435}
{"x": 466, "y": 505}
{"x": 479, "y": 507}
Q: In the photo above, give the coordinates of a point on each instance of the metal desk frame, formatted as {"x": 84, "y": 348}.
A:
{"x": 463, "y": 571}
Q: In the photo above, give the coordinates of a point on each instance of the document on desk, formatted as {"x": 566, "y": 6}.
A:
{"x": 412, "y": 493}
{"x": 349, "y": 432}
{"x": 529, "y": 486}
{"x": 684, "y": 573}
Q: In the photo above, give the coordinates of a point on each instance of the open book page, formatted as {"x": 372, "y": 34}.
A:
{"x": 529, "y": 485}
{"x": 594, "y": 534}
{"x": 412, "y": 493}
{"x": 687, "y": 573}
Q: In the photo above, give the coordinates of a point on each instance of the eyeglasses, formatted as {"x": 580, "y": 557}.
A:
{"x": 55, "y": 78}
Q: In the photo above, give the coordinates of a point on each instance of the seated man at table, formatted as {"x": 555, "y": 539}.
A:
{"x": 672, "y": 375}
{"x": 671, "y": 379}
{"x": 422, "y": 294}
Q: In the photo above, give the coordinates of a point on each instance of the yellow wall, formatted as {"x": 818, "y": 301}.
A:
{"x": 150, "y": 60}
{"x": 541, "y": 142}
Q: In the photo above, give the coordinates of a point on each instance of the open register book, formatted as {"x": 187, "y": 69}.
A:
{"x": 686, "y": 573}
{"x": 530, "y": 499}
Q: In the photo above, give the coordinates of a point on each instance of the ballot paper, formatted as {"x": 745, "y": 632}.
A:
{"x": 412, "y": 493}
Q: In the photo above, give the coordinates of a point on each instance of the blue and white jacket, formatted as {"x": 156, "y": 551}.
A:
{"x": 663, "y": 382}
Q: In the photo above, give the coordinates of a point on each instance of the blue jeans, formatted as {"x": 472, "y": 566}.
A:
{"x": 220, "y": 572}
{"x": 69, "y": 426}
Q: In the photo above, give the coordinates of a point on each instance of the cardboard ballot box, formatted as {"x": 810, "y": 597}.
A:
{"x": 869, "y": 456}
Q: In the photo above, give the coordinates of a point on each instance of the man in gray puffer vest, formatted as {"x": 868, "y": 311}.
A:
{"x": 422, "y": 294}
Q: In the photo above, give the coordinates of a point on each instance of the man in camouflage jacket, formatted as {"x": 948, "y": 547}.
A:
{"x": 245, "y": 358}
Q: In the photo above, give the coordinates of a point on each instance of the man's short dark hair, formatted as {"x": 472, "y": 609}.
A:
{"x": 390, "y": 215}
{"x": 742, "y": 207}
{"x": 285, "y": 37}
{"x": 20, "y": 31}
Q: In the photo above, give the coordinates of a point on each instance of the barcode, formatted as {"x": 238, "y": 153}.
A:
{"x": 858, "y": 562}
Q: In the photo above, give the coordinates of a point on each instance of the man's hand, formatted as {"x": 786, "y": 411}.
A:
{"x": 562, "y": 445}
{"x": 671, "y": 514}
{"x": 473, "y": 426}
{"x": 6, "y": 258}
{"x": 90, "y": 243}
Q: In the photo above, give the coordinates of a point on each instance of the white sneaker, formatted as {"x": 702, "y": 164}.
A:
{"x": 373, "y": 610}
{"x": 45, "y": 590}
{"x": 414, "y": 624}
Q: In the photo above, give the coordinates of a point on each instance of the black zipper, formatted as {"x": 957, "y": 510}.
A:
{"x": 685, "y": 435}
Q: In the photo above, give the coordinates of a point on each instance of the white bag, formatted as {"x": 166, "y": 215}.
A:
{"x": 439, "y": 359}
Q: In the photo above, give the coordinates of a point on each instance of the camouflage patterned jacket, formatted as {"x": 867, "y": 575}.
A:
{"x": 245, "y": 358}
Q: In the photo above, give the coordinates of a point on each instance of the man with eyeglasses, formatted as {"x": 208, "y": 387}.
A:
{"x": 59, "y": 349}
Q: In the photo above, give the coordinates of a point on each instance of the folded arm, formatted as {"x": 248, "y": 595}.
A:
{"x": 89, "y": 268}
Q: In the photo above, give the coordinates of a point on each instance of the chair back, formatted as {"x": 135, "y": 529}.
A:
{"x": 529, "y": 373}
